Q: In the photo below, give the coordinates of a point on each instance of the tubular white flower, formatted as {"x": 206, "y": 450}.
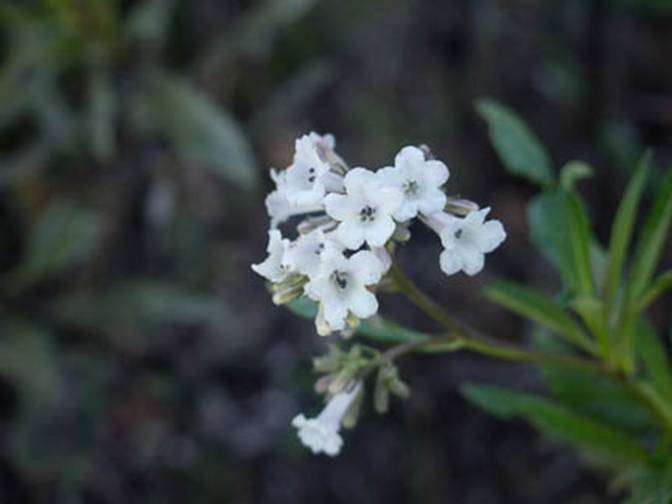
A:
{"x": 419, "y": 180}
{"x": 272, "y": 268}
{"x": 365, "y": 211}
{"x": 340, "y": 286}
{"x": 278, "y": 204}
{"x": 304, "y": 254}
{"x": 321, "y": 434}
{"x": 466, "y": 240}
{"x": 310, "y": 177}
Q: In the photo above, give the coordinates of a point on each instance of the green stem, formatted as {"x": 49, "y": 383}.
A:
{"x": 463, "y": 336}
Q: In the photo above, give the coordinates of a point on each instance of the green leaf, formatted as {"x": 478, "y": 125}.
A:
{"x": 535, "y": 306}
{"x": 200, "y": 131}
{"x": 126, "y": 309}
{"x": 593, "y": 394}
{"x": 651, "y": 483}
{"x": 650, "y": 244}
{"x": 28, "y": 360}
{"x": 591, "y": 310}
{"x": 62, "y": 236}
{"x": 376, "y": 328}
{"x": 559, "y": 228}
{"x": 555, "y": 421}
{"x": 148, "y": 22}
{"x": 572, "y": 172}
{"x": 519, "y": 150}
{"x": 621, "y": 231}
{"x": 657, "y": 288}
{"x": 655, "y": 358}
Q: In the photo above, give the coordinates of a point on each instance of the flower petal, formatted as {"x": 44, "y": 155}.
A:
{"x": 367, "y": 267}
{"x": 436, "y": 172}
{"x": 338, "y": 206}
{"x": 450, "y": 262}
{"x": 490, "y": 236}
{"x": 358, "y": 178}
{"x": 363, "y": 304}
{"x": 380, "y": 231}
{"x": 472, "y": 259}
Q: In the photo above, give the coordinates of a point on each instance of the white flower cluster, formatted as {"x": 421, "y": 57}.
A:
{"x": 350, "y": 217}
{"x": 352, "y": 214}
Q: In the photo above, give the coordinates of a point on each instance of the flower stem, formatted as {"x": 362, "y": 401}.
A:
{"x": 461, "y": 335}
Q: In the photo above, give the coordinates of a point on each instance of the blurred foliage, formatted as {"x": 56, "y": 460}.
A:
{"x": 103, "y": 251}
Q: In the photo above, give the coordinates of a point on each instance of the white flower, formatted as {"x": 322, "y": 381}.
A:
{"x": 466, "y": 240}
{"x": 310, "y": 177}
{"x": 272, "y": 268}
{"x": 420, "y": 182}
{"x": 365, "y": 212}
{"x": 278, "y": 204}
{"x": 340, "y": 286}
{"x": 321, "y": 434}
{"x": 304, "y": 254}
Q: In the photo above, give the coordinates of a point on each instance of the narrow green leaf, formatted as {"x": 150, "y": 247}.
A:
{"x": 375, "y": 328}
{"x": 559, "y": 228}
{"x": 654, "y": 356}
{"x": 555, "y": 420}
{"x": 657, "y": 288}
{"x": 591, "y": 311}
{"x": 621, "y": 231}
{"x": 535, "y": 306}
{"x": 572, "y": 172}
{"x": 650, "y": 245}
{"x": 519, "y": 150}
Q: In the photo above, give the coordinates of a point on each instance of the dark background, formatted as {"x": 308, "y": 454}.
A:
{"x": 154, "y": 367}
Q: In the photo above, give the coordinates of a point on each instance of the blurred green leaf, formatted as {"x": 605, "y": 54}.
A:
{"x": 651, "y": 483}
{"x": 574, "y": 171}
{"x": 555, "y": 421}
{"x": 535, "y": 306}
{"x": 149, "y": 20}
{"x": 132, "y": 306}
{"x": 253, "y": 33}
{"x": 63, "y": 235}
{"x": 28, "y": 360}
{"x": 559, "y": 228}
{"x": 519, "y": 150}
{"x": 591, "y": 310}
{"x": 621, "y": 231}
{"x": 655, "y": 358}
{"x": 657, "y": 288}
{"x": 592, "y": 394}
{"x": 199, "y": 130}
{"x": 376, "y": 328}
{"x": 652, "y": 239}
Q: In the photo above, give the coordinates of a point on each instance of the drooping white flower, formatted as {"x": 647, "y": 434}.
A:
{"x": 365, "y": 211}
{"x": 272, "y": 268}
{"x": 310, "y": 177}
{"x": 419, "y": 180}
{"x": 304, "y": 254}
{"x": 466, "y": 240}
{"x": 321, "y": 434}
{"x": 340, "y": 286}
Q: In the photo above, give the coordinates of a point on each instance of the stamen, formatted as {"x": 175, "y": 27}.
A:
{"x": 367, "y": 214}
{"x": 340, "y": 278}
{"x": 410, "y": 187}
